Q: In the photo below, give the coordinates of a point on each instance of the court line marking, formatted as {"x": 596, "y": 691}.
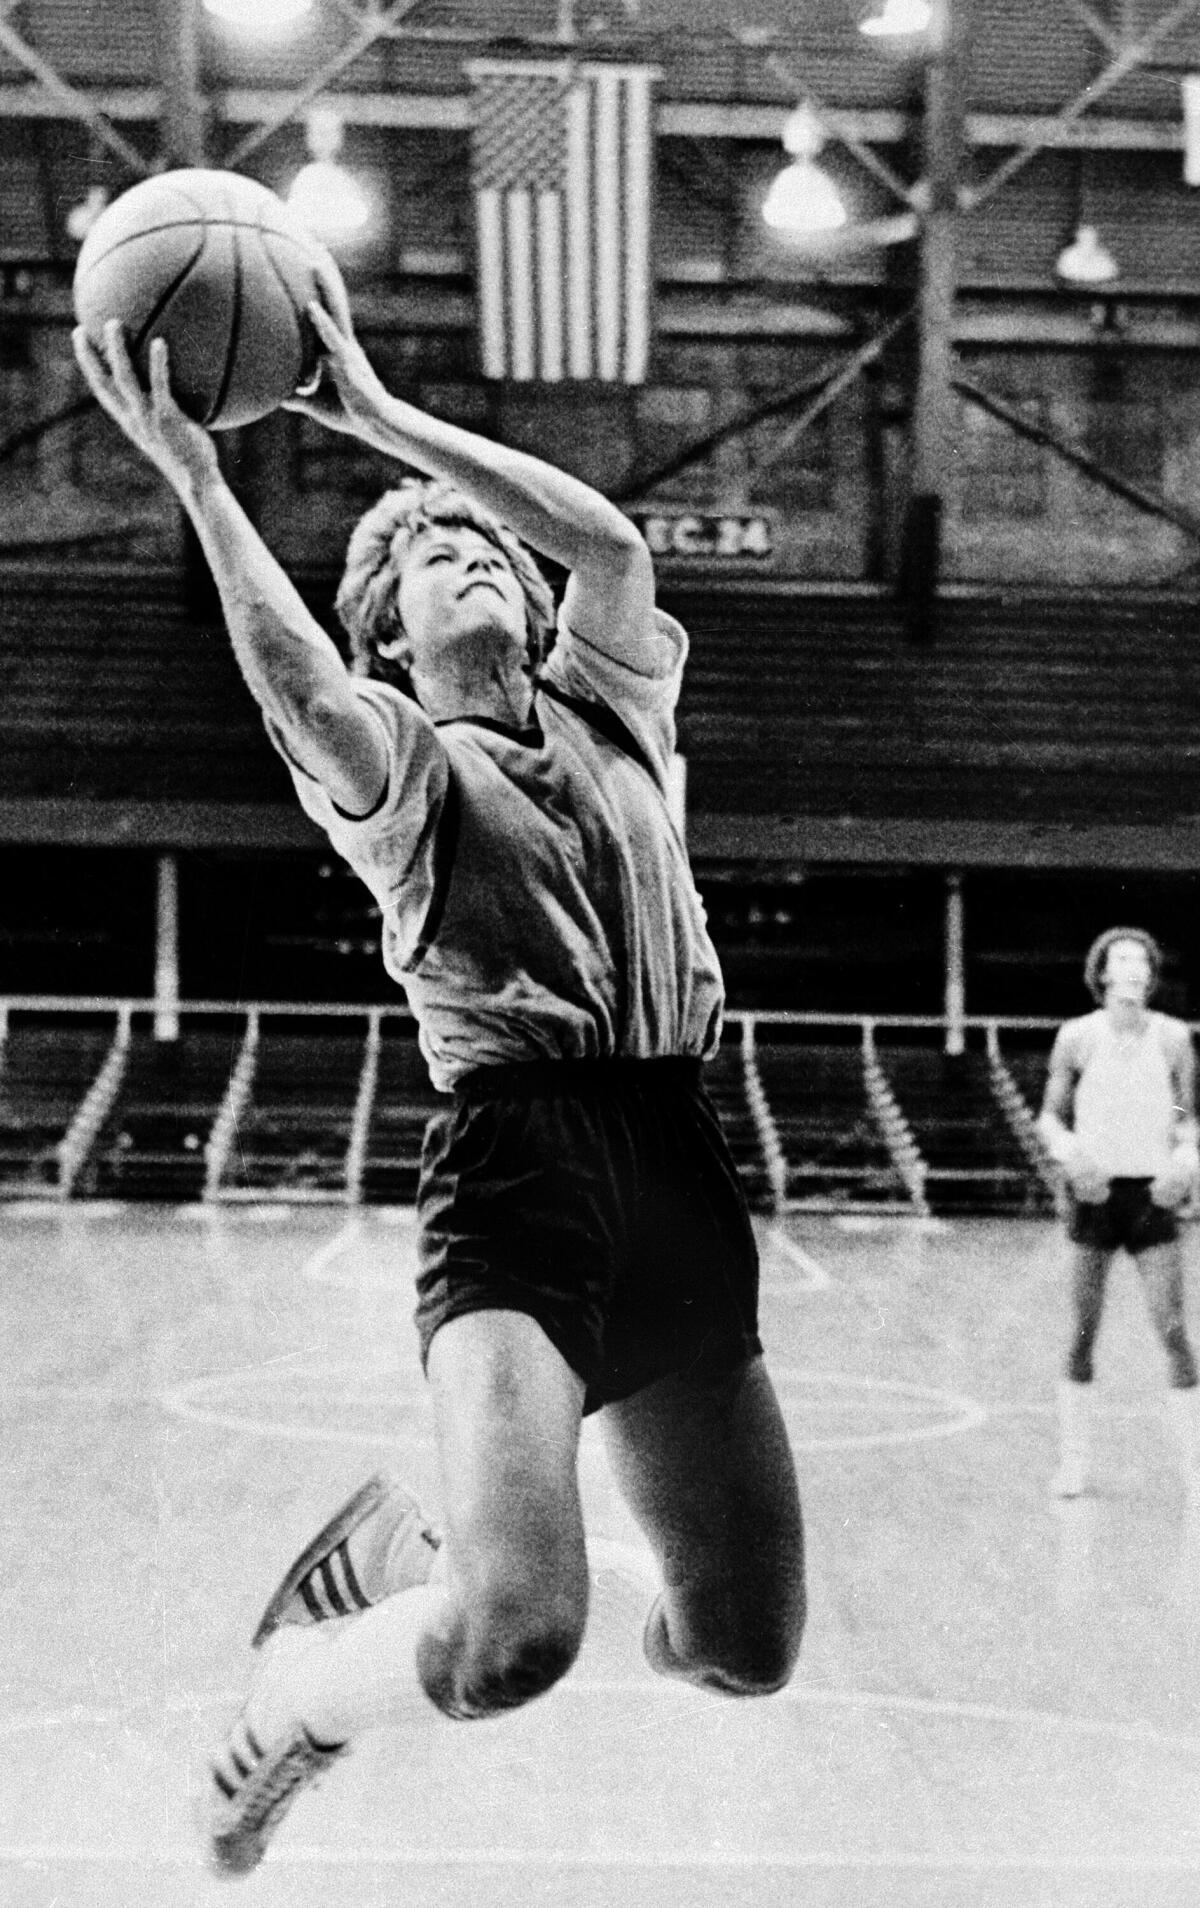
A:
{"x": 668, "y": 1692}
{"x": 319, "y": 1265}
{"x": 338, "y": 1855}
{"x": 963, "y": 1414}
{"x": 816, "y": 1277}
{"x": 970, "y": 1412}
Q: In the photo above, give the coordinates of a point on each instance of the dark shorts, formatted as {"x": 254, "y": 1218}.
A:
{"x": 1128, "y": 1218}
{"x": 600, "y": 1198}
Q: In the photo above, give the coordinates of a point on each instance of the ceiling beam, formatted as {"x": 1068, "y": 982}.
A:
{"x": 1050, "y": 322}
{"x": 451, "y": 112}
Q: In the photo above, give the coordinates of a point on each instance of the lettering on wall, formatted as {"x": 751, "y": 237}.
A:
{"x": 707, "y": 536}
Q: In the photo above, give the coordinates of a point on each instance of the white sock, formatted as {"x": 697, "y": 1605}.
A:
{"x": 351, "y": 1674}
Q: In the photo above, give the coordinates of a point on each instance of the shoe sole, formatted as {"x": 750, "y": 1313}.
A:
{"x": 354, "y": 1512}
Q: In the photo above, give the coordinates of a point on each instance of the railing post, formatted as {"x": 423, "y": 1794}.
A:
{"x": 166, "y": 950}
{"x": 93, "y": 1109}
{"x": 364, "y": 1102}
{"x": 765, "y": 1128}
{"x": 955, "y": 966}
{"x": 237, "y": 1093}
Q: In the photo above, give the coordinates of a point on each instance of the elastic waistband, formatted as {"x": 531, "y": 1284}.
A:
{"x": 532, "y": 1079}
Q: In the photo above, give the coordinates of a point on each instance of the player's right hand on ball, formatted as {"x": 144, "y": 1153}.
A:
{"x": 184, "y": 452}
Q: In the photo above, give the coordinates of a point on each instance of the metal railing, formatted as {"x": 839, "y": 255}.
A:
{"x": 84, "y": 1123}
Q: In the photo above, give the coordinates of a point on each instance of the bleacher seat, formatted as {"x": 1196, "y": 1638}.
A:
{"x": 833, "y": 1148}
{"x": 294, "y": 1132}
{"x": 404, "y": 1100}
{"x": 974, "y": 1158}
{"x": 46, "y": 1067}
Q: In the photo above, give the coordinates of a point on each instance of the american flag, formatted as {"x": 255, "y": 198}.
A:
{"x": 561, "y": 170}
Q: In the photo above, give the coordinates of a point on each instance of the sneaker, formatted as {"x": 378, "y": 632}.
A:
{"x": 248, "y": 1791}
{"x": 379, "y": 1542}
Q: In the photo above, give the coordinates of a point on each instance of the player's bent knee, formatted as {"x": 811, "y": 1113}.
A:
{"x": 501, "y": 1660}
{"x": 757, "y": 1664}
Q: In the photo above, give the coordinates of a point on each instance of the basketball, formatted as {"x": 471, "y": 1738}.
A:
{"x": 217, "y": 266}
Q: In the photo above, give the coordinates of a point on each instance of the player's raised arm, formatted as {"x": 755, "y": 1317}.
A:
{"x": 611, "y": 588}
{"x": 291, "y": 666}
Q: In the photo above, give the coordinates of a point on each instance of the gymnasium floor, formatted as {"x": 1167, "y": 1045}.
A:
{"x": 998, "y": 1704}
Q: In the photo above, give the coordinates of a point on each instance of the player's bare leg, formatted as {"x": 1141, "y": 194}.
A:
{"x": 1161, "y": 1269}
{"x": 706, "y": 1468}
{"x": 1076, "y": 1399}
{"x": 501, "y": 1626}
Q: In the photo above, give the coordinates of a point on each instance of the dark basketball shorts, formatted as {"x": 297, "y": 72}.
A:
{"x": 600, "y": 1198}
{"x": 1128, "y": 1218}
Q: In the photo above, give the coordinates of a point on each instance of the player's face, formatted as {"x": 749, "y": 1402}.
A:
{"x": 1127, "y": 972}
{"x": 457, "y": 587}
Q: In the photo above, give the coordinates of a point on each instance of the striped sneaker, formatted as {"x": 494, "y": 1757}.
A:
{"x": 250, "y": 1789}
{"x": 379, "y": 1542}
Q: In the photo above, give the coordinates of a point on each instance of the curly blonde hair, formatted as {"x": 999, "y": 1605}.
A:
{"x": 379, "y": 544}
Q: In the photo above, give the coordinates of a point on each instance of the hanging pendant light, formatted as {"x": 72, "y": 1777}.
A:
{"x": 1087, "y": 260}
{"x": 325, "y": 197}
{"x": 260, "y": 16}
{"x": 803, "y": 199}
{"x": 898, "y": 19}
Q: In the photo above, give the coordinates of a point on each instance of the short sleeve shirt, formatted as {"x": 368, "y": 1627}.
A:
{"x": 534, "y": 889}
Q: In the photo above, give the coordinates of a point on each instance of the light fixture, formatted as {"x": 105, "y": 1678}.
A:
{"x": 323, "y": 195}
{"x": 260, "y": 16}
{"x": 897, "y": 19}
{"x": 1087, "y": 260}
{"x": 803, "y": 134}
{"x": 81, "y": 218}
{"x": 803, "y": 200}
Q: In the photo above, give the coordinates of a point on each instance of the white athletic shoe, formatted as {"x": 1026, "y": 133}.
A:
{"x": 377, "y": 1543}
{"x": 250, "y": 1789}
{"x": 261, "y": 1764}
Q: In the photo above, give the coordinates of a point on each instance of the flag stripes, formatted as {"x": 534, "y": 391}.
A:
{"x": 562, "y": 171}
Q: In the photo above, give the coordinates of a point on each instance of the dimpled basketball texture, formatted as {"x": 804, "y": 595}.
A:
{"x": 217, "y": 265}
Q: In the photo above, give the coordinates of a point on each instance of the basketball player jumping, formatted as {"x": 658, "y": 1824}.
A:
{"x": 585, "y": 1245}
{"x": 1119, "y": 1117}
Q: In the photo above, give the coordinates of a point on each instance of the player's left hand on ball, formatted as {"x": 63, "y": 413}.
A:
{"x": 151, "y": 419}
{"x": 349, "y": 396}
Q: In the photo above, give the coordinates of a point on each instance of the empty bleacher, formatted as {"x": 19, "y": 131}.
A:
{"x": 1026, "y": 1052}
{"x": 46, "y": 1067}
{"x": 151, "y": 1144}
{"x": 271, "y": 1102}
{"x": 1023, "y": 709}
{"x": 403, "y": 1102}
{"x": 725, "y": 1079}
{"x": 293, "y": 1134}
{"x": 973, "y": 1158}
{"x": 834, "y": 1151}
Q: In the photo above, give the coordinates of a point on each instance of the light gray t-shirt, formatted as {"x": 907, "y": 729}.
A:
{"x": 536, "y": 897}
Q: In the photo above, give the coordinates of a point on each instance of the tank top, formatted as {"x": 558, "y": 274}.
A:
{"x": 1124, "y": 1098}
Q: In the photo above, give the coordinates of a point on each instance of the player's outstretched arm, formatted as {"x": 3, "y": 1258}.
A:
{"x": 292, "y": 668}
{"x": 612, "y": 577}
